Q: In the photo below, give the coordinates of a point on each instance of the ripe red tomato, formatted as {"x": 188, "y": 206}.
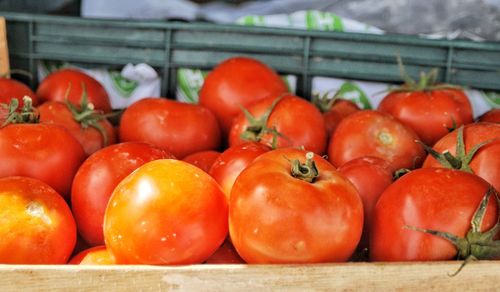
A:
{"x": 237, "y": 82}
{"x": 492, "y": 116}
{"x": 180, "y": 128}
{"x": 277, "y": 216}
{"x": 429, "y": 198}
{"x": 97, "y": 255}
{"x": 10, "y": 88}
{"x": 36, "y": 223}
{"x": 373, "y": 133}
{"x": 56, "y": 85}
{"x": 96, "y": 179}
{"x": 486, "y": 161}
{"x": 167, "y": 212}
{"x": 371, "y": 176}
{"x": 91, "y": 139}
{"x": 297, "y": 122}
{"x": 43, "y": 151}
{"x": 233, "y": 161}
{"x": 202, "y": 159}
{"x": 334, "y": 110}
{"x": 430, "y": 113}
{"x": 225, "y": 254}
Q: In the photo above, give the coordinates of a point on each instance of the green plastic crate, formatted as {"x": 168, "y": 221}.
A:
{"x": 168, "y": 46}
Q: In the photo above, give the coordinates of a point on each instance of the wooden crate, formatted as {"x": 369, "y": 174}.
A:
{"x": 419, "y": 276}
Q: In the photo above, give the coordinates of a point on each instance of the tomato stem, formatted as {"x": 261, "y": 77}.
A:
{"x": 305, "y": 171}
{"x": 26, "y": 115}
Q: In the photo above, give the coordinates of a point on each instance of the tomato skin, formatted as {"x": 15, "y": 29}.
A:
{"x": 233, "y": 161}
{"x": 203, "y": 159}
{"x": 167, "y": 212}
{"x": 37, "y": 225}
{"x": 56, "y": 84}
{"x": 492, "y": 116}
{"x": 371, "y": 176}
{"x": 42, "y": 151}
{"x": 55, "y": 112}
{"x": 180, "y": 128}
{"x": 298, "y": 120}
{"x": 97, "y": 255}
{"x": 11, "y": 88}
{"x": 431, "y": 198}
{"x": 485, "y": 163}
{"x": 277, "y": 218}
{"x": 429, "y": 113}
{"x": 236, "y": 82}
{"x": 96, "y": 179}
{"x": 225, "y": 254}
{"x": 373, "y": 133}
{"x": 340, "y": 109}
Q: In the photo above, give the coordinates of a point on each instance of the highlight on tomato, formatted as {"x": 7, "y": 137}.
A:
{"x": 166, "y": 212}
{"x": 36, "y": 224}
{"x": 291, "y": 206}
{"x": 97, "y": 255}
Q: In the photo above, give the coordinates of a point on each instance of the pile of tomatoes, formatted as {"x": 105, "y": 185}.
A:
{"x": 250, "y": 174}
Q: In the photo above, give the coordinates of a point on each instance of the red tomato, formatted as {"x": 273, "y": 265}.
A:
{"x": 36, "y": 223}
{"x": 430, "y": 113}
{"x": 298, "y": 122}
{"x": 492, "y": 116}
{"x": 91, "y": 139}
{"x": 10, "y": 88}
{"x": 486, "y": 161}
{"x": 180, "y": 128}
{"x": 225, "y": 254}
{"x": 238, "y": 82}
{"x": 202, "y": 159}
{"x": 373, "y": 133}
{"x": 429, "y": 198}
{"x": 233, "y": 161}
{"x": 56, "y": 85}
{"x": 334, "y": 110}
{"x": 277, "y": 216}
{"x": 97, "y": 255}
{"x": 167, "y": 212}
{"x": 97, "y": 178}
{"x": 371, "y": 176}
{"x": 43, "y": 151}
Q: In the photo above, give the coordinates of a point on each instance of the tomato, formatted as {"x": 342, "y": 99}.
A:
{"x": 225, "y": 254}
{"x": 10, "y": 88}
{"x": 97, "y": 255}
{"x": 36, "y": 224}
{"x": 371, "y": 176}
{"x": 85, "y": 131}
{"x": 334, "y": 110}
{"x": 56, "y": 85}
{"x": 492, "y": 116}
{"x": 485, "y": 162}
{"x": 202, "y": 159}
{"x": 373, "y": 133}
{"x": 98, "y": 176}
{"x": 284, "y": 214}
{"x": 167, "y": 212}
{"x": 430, "y": 198}
{"x": 295, "y": 121}
{"x": 237, "y": 82}
{"x": 232, "y": 161}
{"x": 180, "y": 128}
{"x": 43, "y": 151}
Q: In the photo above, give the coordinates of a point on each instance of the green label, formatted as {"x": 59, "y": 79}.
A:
{"x": 189, "y": 81}
{"x": 123, "y": 85}
{"x": 492, "y": 98}
{"x": 319, "y": 20}
{"x": 351, "y": 91}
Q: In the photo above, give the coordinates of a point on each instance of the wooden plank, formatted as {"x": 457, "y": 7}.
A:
{"x": 4, "y": 50}
{"x": 482, "y": 275}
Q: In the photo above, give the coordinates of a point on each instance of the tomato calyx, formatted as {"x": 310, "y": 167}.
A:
{"x": 476, "y": 245}
{"x": 305, "y": 171}
{"x": 427, "y": 81}
{"x": 323, "y": 103}
{"x": 26, "y": 115}
{"x": 86, "y": 114}
{"x": 257, "y": 127}
{"x": 461, "y": 160}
